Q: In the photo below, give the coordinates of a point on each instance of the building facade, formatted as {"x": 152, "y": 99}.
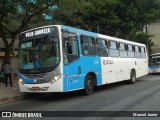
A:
{"x": 14, "y": 59}
{"x": 14, "y": 49}
{"x": 154, "y": 30}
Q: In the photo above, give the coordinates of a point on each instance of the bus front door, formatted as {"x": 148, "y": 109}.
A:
{"x": 72, "y": 73}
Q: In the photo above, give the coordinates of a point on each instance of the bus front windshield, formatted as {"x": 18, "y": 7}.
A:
{"x": 155, "y": 60}
{"x": 39, "y": 53}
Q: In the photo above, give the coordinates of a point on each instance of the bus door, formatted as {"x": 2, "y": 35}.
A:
{"x": 72, "y": 68}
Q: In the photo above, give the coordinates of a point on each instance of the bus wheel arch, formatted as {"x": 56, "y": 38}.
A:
{"x": 132, "y": 76}
{"x": 89, "y": 83}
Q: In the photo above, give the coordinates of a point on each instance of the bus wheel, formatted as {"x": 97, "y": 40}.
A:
{"x": 133, "y": 77}
{"x": 88, "y": 85}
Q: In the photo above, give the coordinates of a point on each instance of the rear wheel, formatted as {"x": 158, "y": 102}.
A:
{"x": 88, "y": 85}
{"x": 133, "y": 77}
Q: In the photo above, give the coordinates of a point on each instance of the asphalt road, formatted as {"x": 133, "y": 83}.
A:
{"x": 144, "y": 95}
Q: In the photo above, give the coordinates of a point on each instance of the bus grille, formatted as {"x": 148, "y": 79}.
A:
{"x": 38, "y": 78}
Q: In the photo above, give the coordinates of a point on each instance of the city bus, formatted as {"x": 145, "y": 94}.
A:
{"x": 154, "y": 63}
{"x": 58, "y": 58}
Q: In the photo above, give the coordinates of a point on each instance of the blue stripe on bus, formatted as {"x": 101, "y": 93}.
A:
{"x": 152, "y": 66}
{"x": 73, "y": 80}
{"x": 25, "y": 80}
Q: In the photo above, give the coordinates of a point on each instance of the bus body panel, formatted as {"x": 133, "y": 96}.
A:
{"x": 28, "y": 84}
{"x": 75, "y": 73}
{"x": 106, "y": 69}
{"x": 45, "y": 87}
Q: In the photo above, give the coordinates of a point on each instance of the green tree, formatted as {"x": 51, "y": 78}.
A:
{"x": 120, "y": 18}
{"x": 142, "y": 38}
{"x": 15, "y": 15}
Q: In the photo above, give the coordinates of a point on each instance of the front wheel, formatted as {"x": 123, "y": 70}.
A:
{"x": 88, "y": 85}
{"x": 133, "y": 77}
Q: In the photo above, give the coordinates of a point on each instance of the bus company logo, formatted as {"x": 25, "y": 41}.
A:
{"x": 107, "y": 62}
{"x": 6, "y": 114}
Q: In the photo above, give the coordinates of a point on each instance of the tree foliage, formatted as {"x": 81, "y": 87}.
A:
{"x": 15, "y": 15}
{"x": 120, "y": 18}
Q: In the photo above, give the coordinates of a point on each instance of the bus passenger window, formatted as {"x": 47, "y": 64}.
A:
{"x": 88, "y": 45}
{"x": 143, "y": 53}
{"x": 70, "y": 47}
{"x": 130, "y": 51}
{"x": 137, "y": 52}
{"x": 113, "y": 50}
{"x": 122, "y": 50}
{"x": 102, "y": 49}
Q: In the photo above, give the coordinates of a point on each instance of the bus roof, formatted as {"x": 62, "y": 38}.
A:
{"x": 155, "y": 54}
{"x": 84, "y": 32}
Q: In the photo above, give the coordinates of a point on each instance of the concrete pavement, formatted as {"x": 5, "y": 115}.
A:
{"x": 13, "y": 94}
{"x": 10, "y": 94}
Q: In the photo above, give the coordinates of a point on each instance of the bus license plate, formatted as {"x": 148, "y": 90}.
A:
{"x": 35, "y": 88}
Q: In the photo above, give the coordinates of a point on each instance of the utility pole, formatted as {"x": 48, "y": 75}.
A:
{"x": 97, "y": 28}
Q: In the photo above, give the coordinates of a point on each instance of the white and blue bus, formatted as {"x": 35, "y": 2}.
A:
{"x": 154, "y": 63}
{"x": 59, "y": 58}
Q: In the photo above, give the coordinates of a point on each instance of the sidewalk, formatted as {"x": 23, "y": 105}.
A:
{"x": 10, "y": 94}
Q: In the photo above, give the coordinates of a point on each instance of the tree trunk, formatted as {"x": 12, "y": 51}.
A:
{"x": 8, "y": 49}
{"x": 6, "y": 57}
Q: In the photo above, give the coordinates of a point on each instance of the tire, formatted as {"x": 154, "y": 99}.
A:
{"x": 133, "y": 77}
{"x": 88, "y": 85}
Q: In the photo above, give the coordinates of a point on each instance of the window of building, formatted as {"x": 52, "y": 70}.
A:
{"x": 2, "y": 50}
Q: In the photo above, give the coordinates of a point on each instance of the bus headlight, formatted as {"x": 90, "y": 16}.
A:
{"x": 56, "y": 77}
{"x": 21, "y": 81}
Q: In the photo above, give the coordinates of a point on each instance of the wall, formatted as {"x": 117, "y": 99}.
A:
{"x": 154, "y": 29}
{"x": 14, "y": 64}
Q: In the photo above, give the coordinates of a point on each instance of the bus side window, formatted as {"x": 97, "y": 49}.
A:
{"x": 88, "y": 45}
{"x": 130, "y": 50}
{"x": 70, "y": 47}
{"x": 113, "y": 50}
{"x": 122, "y": 50}
{"x": 143, "y": 53}
{"x": 102, "y": 48}
{"x": 137, "y": 52}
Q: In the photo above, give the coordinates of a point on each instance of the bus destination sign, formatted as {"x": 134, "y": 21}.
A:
{"x": 38, "y": 32}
